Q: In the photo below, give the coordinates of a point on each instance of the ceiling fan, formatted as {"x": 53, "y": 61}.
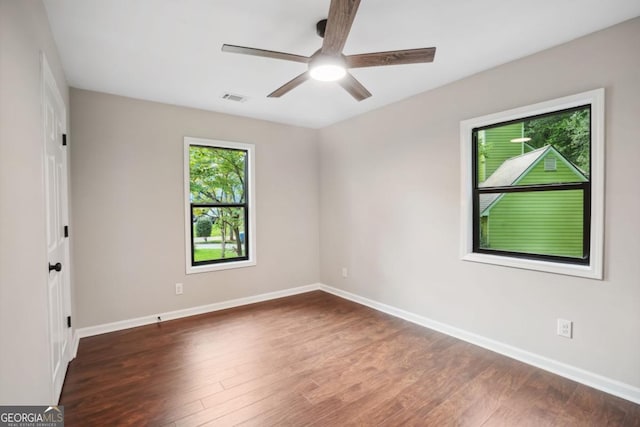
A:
{"x": 328, "y": 63}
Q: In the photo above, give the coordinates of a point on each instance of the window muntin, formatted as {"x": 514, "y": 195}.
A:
{"x": 480, "y": 238}
{"x": 219, "y": 217}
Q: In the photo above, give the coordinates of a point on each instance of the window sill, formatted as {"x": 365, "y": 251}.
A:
{"x": 217, "y": 267}
{"x": 587, "y": 271}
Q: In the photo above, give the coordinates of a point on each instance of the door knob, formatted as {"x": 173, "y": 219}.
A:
{"x": 56, "y": 267}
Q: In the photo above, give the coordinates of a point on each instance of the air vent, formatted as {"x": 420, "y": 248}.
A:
{"x": 234, "y": 97}
{"x": 550, "y": 164}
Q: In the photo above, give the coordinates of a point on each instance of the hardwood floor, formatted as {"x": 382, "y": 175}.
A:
{"x": 316, "y": 359}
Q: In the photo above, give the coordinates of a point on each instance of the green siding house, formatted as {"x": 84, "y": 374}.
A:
{"x": 543, "y": 222}
{"x": 498, "y": 147}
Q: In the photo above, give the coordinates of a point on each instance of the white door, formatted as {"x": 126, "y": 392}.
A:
{"x": 55, "y": 172}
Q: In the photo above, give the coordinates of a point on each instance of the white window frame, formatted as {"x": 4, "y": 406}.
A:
{"x": 251, "y": 241}
{"x": 596, "y": 98}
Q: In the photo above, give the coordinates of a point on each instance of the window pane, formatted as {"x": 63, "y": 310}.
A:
{"x": 217, "y": 175}
{"x": 219, "y": 233}
{"x": 554, "y": 148}
{"x": 539, "y": 222}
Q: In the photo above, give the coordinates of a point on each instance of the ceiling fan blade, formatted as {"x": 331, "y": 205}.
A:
{"x": 339, "y": 21}
{"x": 354, "y": 87}
{"x": 265, "y": 53}
{"x": 290, "y": 85}
{"x": 394, "y": 57}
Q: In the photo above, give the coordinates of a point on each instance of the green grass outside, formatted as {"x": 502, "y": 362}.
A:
{"x": 210, "y": 254}
{"x": 207, "y": 254}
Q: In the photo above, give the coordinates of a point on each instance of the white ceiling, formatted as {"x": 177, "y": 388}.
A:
{"x": 169, "y": 50}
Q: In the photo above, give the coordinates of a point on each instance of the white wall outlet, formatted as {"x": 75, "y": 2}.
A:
{"x": 345, "y": 272}
{"x": 565, "y": 328}
{"x": 179, "y": 289}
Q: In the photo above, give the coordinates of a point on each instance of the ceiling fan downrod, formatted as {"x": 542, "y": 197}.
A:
{"x": 321, "y": 26}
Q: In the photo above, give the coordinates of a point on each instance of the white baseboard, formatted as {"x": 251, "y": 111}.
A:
{"x": 74, "y": 345}
{"x": 608, "y": 385}
{"x": 177, "y": 314}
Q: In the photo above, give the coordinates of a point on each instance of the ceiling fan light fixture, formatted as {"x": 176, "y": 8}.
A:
{"x": 327, "y": 73}
{"x": 327, "y": 68}
{"x": 523, "y": 139}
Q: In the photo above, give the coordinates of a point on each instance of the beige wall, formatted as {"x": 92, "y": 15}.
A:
{"x": 390, "y": 210}
{"x": 128, "y": 206}
{"x": 24, "y": 348}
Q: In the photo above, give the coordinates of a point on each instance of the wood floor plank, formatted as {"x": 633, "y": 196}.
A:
{"x": 253, "y": 399}
{"x": 316, "y": 359}
{"x": 632, "y": 418}
{"x": 282, "y": 398}
{"x": 476, "y": 400}
{"x": 455, "y": 367}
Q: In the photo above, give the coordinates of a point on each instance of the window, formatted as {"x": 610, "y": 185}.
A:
{"x": 533, "y": 186}
{"x": 219, "y": 205}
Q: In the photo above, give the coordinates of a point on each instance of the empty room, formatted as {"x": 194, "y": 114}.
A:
{"x": 322, "y": 212}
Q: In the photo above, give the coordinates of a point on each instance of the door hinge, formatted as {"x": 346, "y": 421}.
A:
{"x": 64, "y": 139}
{"x": 68, "y": 321}
{"x": 66, "y": 231}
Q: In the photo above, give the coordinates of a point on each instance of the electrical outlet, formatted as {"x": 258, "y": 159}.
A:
{"x": 179, "y": 289}
{"x": 565, "y": 328}
{"x": 345, "y": 272}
